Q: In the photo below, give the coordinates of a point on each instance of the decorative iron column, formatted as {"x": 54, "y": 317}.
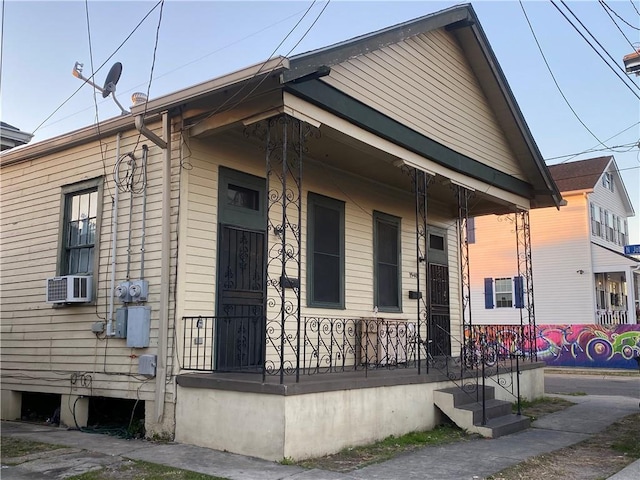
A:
{"x": 525, "y": 272}
{"x": 419, "y": 183}
{"x": 284, "y": 154}
{"x": 463, "y": 195}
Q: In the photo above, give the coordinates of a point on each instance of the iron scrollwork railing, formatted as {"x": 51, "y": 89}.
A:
{"x": 285, "y": 140}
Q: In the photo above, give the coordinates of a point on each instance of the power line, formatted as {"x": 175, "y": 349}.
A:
{"x": 615, "y": 62}
{"x": 153, "y": 63}
{"x": 593, "y": 149}
{"x": 594, "y": 49}
{"x": 554, "y": 78}
{"x": 602, "y": 4}
{"x": 622, "y": 19}
{"x": 1, "y": 43}
{"x": 100, "y": 67}
{"x": 95, "y": 101}
{"x": 136, "y": 87}
{"x": 634, "y": 7}
{"x": 264, "y": 64}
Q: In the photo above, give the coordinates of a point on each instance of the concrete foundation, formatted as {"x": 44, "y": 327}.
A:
{"x": 11, "y": 402}
{"x": 70, "y": 404}
{"x": 274, "y": 423}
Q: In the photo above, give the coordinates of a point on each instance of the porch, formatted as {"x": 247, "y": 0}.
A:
{"x": 314, "y": 415}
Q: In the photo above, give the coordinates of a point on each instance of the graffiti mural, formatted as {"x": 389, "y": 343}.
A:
{"x": 583, "y": 345}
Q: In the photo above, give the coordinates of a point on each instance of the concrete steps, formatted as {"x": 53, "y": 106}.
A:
{"x": 465, "y": 410}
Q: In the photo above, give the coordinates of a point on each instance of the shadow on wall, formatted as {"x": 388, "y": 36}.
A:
{"x": 579, "y": 345}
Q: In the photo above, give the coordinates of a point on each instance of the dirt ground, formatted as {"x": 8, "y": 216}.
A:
{"x": 599, "y": 457}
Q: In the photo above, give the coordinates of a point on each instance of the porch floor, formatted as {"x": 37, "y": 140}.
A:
{"x": 383, "y": 376}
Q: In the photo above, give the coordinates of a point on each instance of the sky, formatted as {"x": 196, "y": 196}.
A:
{"x": 197, "y": 41}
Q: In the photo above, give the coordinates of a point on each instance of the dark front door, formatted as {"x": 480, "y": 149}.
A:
{"x": 439, "y": 324}
{"x": 240, "y": 330}
{"x": 438, "y": 287}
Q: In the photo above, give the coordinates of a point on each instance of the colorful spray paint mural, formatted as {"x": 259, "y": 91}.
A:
{"x": 569, "y": 345}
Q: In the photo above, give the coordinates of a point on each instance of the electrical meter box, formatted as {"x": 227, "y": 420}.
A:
{"x": 138, "y": 326}
{"x": 121, "y": 323}
{"x": 147, "y": 365}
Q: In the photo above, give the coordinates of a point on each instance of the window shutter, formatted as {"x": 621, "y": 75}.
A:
{"x": 518, "y": 285}
{"x": 488, "y": 293}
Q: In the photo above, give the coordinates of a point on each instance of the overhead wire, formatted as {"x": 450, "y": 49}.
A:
{"x": 535, "y": 37}
{"x": 1, "y": 43}
{"x": 622, "y": 19}
{"x": 287, "y": 54}
{"x": 634, "y": 7}
{"x": 132, "y": 89}
{"x": 153, "y": 63}
{"x": 255, "y": 75}
{"x": 95, "y": 101}
{"x": 100, "y": 67}
{"x": 602, "y": 4}
{"x": 595, "y": 50}
{"x": 615, "y": 62}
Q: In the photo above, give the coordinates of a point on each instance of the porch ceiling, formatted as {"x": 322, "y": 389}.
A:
{"x": 341, "y": 152}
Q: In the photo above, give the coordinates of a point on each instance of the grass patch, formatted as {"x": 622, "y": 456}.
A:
{"x": 357, "y": 457}
{"x": 17, "y": 447}
{"x": 598, "y": 457}
{"x": 134, "y": 470}
{"x": 539, "y": 407}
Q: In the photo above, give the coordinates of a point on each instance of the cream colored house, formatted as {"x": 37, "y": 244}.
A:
{"x": 257, "y": 257}
{"x": 581, "y": 274}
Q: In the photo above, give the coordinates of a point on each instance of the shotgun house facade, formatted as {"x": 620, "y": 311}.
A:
{"x": 581, "y": 275}
{"x": 256, "y": 257}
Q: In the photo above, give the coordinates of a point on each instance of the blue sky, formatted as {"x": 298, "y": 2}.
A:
{"x": 201, "y": 40}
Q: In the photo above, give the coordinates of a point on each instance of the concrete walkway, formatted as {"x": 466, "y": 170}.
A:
{"x": 474, "y": 459}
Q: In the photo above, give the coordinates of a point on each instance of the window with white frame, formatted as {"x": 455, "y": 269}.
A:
{"x": 603, "y": 219}
{"x": 504, "y": 292}
{"x": 596, "y": 226}
{"x": 607, "y": 181}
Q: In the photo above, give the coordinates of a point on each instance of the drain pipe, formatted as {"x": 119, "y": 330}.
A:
{"x": 165, "y": 275}
{"x": 145, "y": 154}
{"x": 114, "y": 230}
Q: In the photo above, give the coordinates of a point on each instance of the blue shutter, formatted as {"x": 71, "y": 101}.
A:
{"x": 488, "y": 293}
{"x": 518, "y": 285}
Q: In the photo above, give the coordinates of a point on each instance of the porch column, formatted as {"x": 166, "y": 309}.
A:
{"x": 463, "y": 195}
{"x": 285, "y": 140}
{"x": 419, "y": 183}
{"x": 524, "y": 284}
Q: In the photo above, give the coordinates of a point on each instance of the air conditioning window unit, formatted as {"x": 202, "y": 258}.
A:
{"x": 69, "y": 289}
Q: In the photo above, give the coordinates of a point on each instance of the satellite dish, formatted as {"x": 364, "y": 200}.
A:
{"x": 109, "y": 84}
{"x": 112, "y": 79}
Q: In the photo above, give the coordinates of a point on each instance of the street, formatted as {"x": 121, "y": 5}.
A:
{"x": 623, "y": 386}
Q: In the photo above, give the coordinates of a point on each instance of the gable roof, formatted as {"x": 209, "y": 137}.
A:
{"x": 579, "y": 175}
{"x": 462, "y": 22}
{"x": 584, "y": 175}
{"x": 11, "y": 136}
{"x": 303, "y": 70}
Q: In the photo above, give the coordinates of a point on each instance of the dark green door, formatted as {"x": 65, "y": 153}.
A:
{"x": 241, "y": 288}
{"x": 240, "y": 326}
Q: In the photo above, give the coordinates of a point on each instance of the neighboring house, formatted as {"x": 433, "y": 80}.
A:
{"x": 581, "y": 274}
{"x": 212, "y": 255}
{"x": 11, "y": 136}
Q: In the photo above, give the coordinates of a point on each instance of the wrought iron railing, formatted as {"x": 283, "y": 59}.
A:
{"x": 345, "y": 344}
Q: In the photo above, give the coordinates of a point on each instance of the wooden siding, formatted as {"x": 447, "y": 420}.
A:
{"x": 426, "y": 83}
{"x": 44, "y": 346}
{"x": 560, "y": 248}
{"x": 361, "y": 197}
{"x": 613, "y": 203}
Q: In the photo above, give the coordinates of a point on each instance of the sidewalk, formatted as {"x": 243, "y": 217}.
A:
{"x": 477, "y": 458}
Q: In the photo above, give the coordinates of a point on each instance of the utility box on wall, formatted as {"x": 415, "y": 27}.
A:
{"x": 138, "y": 326}
{"x": 121, "y": 323}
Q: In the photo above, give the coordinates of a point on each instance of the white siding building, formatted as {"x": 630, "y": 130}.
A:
{"x": 581, "y": 274}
